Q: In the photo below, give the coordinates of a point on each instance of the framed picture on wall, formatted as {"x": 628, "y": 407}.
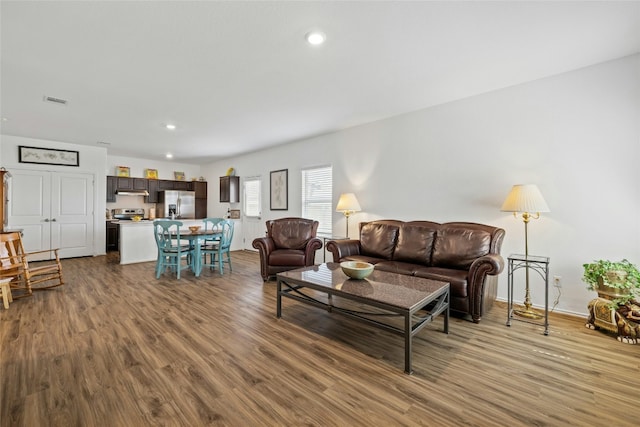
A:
{"x": 234, "y": 214}
{"x": 48, "y": 156}
{"x": 178, "y": 176}
{"x": 280, "y": 190}
{"x": 151, "y": 173}
{"x": 123, "y": 171}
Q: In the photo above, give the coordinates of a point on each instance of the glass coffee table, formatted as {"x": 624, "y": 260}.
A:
{"x": 418, "y": 301}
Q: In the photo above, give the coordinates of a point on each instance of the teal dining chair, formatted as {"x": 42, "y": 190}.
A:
{"x": 217, "y": 248}
{"x": 171, "y": 251}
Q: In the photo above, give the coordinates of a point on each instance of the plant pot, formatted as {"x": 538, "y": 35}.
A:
{"x": 609, "y": 292}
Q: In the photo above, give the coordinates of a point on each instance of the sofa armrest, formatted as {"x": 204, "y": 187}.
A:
{"x": 488, "y": 265}
{"x": 310, "y": 250}
{"x": 265, "y": 246}
{"x": 343, "y": 248}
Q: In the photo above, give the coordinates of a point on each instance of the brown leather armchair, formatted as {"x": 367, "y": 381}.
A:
{"x": 290, "y": 243}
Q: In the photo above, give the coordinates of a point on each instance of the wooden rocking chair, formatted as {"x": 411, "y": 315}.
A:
{"x": 14, "y": 264}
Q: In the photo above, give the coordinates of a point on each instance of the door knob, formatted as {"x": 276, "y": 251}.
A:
{"x": 46, "y": 220}
{"x": 53, "y": 220}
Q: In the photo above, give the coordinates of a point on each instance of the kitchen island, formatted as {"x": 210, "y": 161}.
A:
{"x": 137, "y": 243}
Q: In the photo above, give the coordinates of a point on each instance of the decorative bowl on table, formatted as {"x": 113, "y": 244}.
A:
{"x": 194, "y": 228}
{"x": 356, "y": 269}
{"x": 136, "y": 218}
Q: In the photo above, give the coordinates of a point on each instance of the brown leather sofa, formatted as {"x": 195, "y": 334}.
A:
{"x": 467, "y": 255}
{"x": 290, "y": 243}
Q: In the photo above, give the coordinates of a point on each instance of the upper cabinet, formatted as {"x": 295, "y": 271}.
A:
{"x": 122, "y": 183}
{"x": 112, "y": 183}
{"x": 229, "y": 189}
{"x": 153, "y": 191}
{"x": 200, "y": 188}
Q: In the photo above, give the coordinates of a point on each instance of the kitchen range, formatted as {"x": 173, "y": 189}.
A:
{"x": 128, "y": 214}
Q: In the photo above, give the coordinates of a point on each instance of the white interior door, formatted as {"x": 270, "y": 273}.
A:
{"x": 54, "y": 210}
{"x": 72, "y": 214}
{"x": 252, "y": 223}
{"x": 30, "y": 207}
{"x": 253, "y": 227}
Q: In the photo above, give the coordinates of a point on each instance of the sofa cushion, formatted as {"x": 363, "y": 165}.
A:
{"x": 291, "y": 234}
{"x": 378, "y": 239}
{"x": 398, "y": 267}
{"x": 415, "y": 242}
{"x": 457, "y": 278}
{"x": 458, "y": 246}
{"x": 287, "y": 257}
{"x": 362, "y": 258}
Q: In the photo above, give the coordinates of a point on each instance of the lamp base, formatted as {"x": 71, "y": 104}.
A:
{"x": 528, "y": 313}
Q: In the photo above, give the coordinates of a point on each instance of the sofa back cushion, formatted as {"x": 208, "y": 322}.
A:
{"x": 292, "y": 233}
{"x": 415, "y": 242}
{"x": 458, "y": 245}
{"x": 378, "y": 238}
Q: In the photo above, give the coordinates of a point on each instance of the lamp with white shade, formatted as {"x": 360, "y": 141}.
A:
{"x": 348, "y": 204}
{"x": 526, "y": 199}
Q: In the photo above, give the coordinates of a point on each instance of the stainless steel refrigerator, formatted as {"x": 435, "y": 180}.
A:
{"x": 176, "y": 204}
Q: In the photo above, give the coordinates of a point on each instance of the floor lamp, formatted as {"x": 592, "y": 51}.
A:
{"x": 348, "y": 204}
{"x": 525, "y": 199}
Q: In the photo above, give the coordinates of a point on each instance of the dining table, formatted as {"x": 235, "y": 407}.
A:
{"x": 195, "y": 239}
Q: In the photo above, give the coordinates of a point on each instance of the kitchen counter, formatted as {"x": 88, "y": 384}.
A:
{"x": 137, "y": 242}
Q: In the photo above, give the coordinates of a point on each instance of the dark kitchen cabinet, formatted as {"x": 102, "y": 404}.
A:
{"x": 111, "y": 188}
{"x": 127, "y": 183}
{"x": 123, "y": 183}
{"x": 200, "y": 189}
{"x": 140, "y": 184}
{"x": 165, "y": 184}
{"x": 153, "y": 192}
{"x": 113, "y": 236}
{"x": 182, "y": 185}
{"x": 229, "y": 189}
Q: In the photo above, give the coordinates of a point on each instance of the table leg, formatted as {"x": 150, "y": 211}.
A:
{"x": 279, "y": 300}
{"x": 197, "y": 262}
{"x": 407, "y": 343}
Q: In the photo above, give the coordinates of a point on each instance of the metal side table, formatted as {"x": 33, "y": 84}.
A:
{"x": 325, "y": 238}
{"x": 540, "y": 265}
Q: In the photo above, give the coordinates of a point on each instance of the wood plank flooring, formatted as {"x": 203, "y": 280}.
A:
{"x": 117, "y": 347}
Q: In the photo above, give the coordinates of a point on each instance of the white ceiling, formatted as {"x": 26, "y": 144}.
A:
{"x": 238, "y": 76}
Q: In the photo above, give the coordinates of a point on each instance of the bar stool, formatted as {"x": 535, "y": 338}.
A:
{"x": 5, "y": 291}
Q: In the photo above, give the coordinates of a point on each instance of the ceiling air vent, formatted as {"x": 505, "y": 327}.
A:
{"x": 55, "y": 100}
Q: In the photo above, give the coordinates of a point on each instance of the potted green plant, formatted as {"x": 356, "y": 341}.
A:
{"x": 618, "y": 281}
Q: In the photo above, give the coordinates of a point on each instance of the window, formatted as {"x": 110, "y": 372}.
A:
{"x": 252, "y": 197}
{"x": 317, "y": 189}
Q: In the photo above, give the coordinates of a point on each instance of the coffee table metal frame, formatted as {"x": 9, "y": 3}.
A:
{"x": 430, "y": 297}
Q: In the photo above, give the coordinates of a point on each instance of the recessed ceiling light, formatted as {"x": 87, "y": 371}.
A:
{"x": 170, "y": 126}
{"x": 315, "y": 37}
{"x": 169, "y": 156}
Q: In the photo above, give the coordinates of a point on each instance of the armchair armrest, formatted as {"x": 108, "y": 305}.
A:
{"x": 488, "y": 265}
{"x": 264, "y": 245}
{"x": 343, "y": 248}
{"x": 310, "y": 250}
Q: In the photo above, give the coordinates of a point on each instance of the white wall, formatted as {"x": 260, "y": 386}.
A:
{"x": 92, "y": 161}
{"x": 575, "y": 135}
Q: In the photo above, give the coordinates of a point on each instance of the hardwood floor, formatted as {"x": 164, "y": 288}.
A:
{"x": 116, "y": 347}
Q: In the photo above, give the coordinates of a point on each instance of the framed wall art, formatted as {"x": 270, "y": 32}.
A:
{"x": 48, "y": 156}
{"x": 178, "y": 176}
{"x": 151, "y": 173}
{"x": 234, "y": 214}
{"x": 123, "y": 171}
{"x": 280, "y": 190}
